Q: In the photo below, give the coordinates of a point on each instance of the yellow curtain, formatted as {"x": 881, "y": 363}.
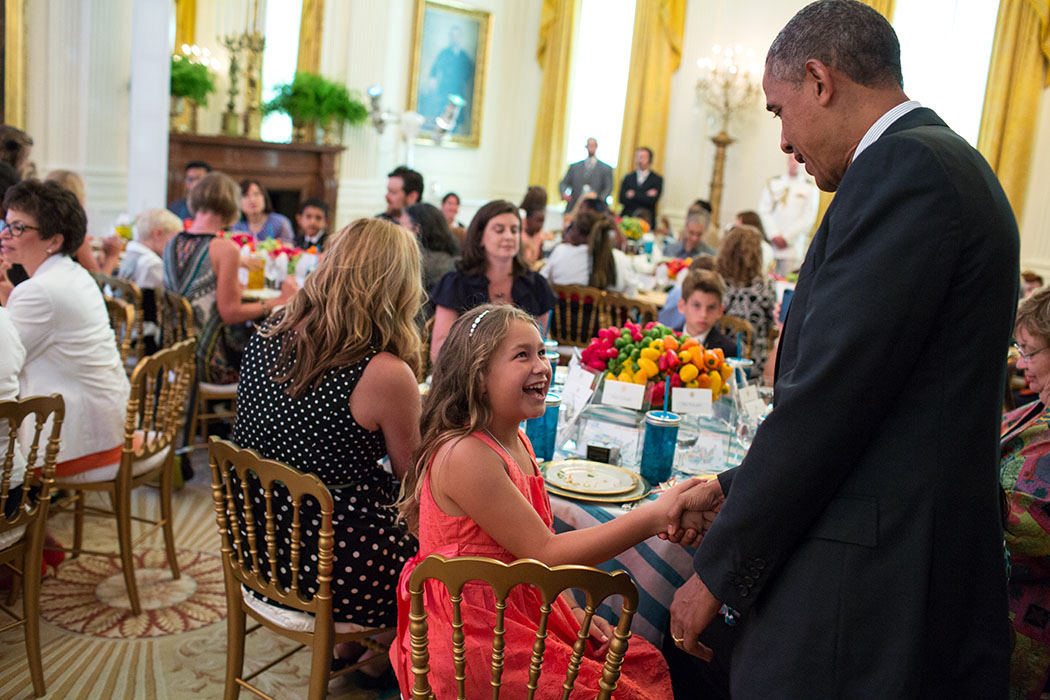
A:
{"x": 886, "y": 7}
{"x": 557, "y": 30}
{"x": 656, "y": 52}
{"x": 185, "y": 22}
{"x": 1016, "y": 75}
{"x": 14, "y": 64}
{"x": 310, "y": 31}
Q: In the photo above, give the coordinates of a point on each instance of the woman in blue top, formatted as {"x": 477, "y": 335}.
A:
{"x": 492, "y": 269}
{"x": 260, "y": 219}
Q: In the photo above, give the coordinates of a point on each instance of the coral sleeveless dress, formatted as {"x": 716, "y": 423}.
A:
{"x": 644, "y": 672}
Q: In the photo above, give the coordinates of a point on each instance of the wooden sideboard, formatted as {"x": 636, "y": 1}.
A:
{"x": 291, "y": 172}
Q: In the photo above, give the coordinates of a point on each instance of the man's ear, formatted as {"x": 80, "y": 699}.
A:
{"x": 820, "y": 80}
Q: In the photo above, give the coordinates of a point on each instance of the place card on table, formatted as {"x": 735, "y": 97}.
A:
{"x": 577, "y": 388}
{"x": 623, "y": 394}
{"x": 692, "y": 401}
{"x": 748, "y": 392}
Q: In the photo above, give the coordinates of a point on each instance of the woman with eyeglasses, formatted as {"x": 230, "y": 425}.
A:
{"x": 1024, "y": 464}
{"x": 63, "y": 325}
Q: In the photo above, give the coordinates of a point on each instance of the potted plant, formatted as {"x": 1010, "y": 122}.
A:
{"x": 339, "y": 107}
{"x": 300, "y": 100}
{"x": 192, "y": 83}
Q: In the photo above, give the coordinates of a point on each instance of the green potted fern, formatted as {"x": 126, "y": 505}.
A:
{"x": 191, "y": 83}
{"x": 340, "y": 106}
{"x": 300, "y": 100}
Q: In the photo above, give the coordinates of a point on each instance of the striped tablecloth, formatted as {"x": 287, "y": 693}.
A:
{"x": 658, "y": 567}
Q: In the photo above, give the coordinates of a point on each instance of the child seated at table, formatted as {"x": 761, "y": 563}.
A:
{"x": 702, "y": 306}
{"x": 476, "y": 490}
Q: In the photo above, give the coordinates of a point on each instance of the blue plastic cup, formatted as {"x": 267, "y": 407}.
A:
{"x": 542, "y": 431}
{"x": 554, "y": 358}
{"x": 661, "y": 435}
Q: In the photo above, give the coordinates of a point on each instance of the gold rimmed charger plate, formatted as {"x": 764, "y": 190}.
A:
{"x": 638, "y": 493}
{"x": 589, "y": 478}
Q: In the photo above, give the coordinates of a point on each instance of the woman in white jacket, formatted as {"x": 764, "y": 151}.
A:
{"x": 61, "y": 319}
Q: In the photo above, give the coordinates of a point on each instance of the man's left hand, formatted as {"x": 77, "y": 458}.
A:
{"x": 629, "y": 194}
{"x": 691, "y": 612}
{"x": 651, "y": 193}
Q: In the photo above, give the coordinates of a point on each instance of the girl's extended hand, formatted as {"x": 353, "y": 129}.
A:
{"x": 601, "y": 631}
{"x": 689, "y": 508}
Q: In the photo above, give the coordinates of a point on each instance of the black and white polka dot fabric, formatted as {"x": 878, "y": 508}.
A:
{"x": 318, "y": 434}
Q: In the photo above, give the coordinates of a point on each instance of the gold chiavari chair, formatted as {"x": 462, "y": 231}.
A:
{"x": 129, "y": 293}
{"x": 597, "y": 585}
{"x": 731, "y": 325}
{"x": 615, "y": 309}
{"x": 23, "y": 512}
{"x": 159, "y": 385}
{"x": 175, "y": 318}
{"x": 574, "y": 320}
{"x": 250, "y": 563}
{"x": 122, "y": 320}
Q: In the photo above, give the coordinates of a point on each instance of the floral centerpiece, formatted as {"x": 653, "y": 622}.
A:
{"x": 655, "y": 353}
{"x": 273, "y": 248}
{"x": 633, "y": 228}
{"x": 676, "y": 265}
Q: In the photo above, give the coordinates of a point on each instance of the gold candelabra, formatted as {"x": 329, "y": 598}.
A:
{"x": 230, "y": 119}
{"x": 254, "y": 43}
{"x": 729, "y": 82}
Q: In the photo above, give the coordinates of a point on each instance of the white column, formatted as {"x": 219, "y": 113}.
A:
{"x": 148, "y": 109}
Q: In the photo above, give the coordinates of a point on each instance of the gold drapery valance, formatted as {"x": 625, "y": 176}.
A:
{"x": 185, "y": 23}
{"x": 310, "y": 33}
{"x": 554, "y": 53}
{"x": 1016, "y": 76}
{"x": 14, "y": 64}
{"x": 656, "y": 52}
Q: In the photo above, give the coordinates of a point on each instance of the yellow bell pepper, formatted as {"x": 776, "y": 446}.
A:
{"x": 716, "y": 384}
{"x": 726, "y": 371}
{"x": 640, "y": 378}
{"x": 650, "y": 354}
{"x": 648, "y": 367}
{"x": 688, "y": 373}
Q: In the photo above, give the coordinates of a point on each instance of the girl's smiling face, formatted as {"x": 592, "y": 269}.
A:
{"x": 519, "y": 375}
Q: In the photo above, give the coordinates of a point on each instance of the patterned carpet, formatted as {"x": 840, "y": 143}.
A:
{"x": 93, "y": 648}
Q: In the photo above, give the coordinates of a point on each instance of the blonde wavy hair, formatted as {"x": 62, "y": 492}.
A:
{"x": 740, "y": 257}
{"x": 456, "y": 405}
{"x": 363, "y": 297}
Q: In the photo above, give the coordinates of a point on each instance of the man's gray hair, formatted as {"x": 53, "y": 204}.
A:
{"x": 843, "y": 34}
{"x": 152, "y": 219}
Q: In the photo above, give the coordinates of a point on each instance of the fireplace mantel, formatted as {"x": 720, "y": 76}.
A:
{"x": 306, "y": 168}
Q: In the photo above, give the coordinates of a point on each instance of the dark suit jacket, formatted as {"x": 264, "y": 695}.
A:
{"x": 718, "y": 339}
{"x": 861, "y": 536}
{"x": 640, "y": 200}
{"x": 600, "y": 180}
{"x": 300, "y": 241}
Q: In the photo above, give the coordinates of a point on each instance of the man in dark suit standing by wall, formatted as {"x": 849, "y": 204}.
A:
{"x": 587, "y": 175}
{"x": 860, "y": 541}
{"x": 642, "y": 188}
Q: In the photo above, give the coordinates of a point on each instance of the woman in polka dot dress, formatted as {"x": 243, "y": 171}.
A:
{"x": 328, "y": 386}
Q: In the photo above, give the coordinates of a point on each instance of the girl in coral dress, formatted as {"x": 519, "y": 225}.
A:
{"x": 476, "y": 491}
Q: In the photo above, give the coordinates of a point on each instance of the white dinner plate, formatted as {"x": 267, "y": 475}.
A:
{"x": 587, "y": 477}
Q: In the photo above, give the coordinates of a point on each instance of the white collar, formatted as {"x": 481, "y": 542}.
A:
{"x": 642, "y": 175}
{"x": 879, "y": 127}
{"x": 54, "y": 260}
{"x": 141, "y": 249}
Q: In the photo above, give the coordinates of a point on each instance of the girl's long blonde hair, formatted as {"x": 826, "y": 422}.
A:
{"x": 456, "y": 405}
{"x": 363, "y": 297}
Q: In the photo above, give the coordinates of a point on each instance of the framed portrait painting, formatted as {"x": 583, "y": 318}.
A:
{"x": 450, "y": 50}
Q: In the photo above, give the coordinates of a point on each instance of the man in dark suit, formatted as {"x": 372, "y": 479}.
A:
{"x": 587, "y": 175}
{"x": 860, "y": 540}
{"x": 642, "y": 188}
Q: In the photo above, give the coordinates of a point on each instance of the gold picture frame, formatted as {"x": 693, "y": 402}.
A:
{"x": 450, "y": 50}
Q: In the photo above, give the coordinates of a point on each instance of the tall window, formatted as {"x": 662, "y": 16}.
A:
{"x": 601, "y": 61}
{"x": 946, "y": 46}
{"x": 279, "y": 59}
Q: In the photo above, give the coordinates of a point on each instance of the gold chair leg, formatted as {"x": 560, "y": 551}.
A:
{"x": 320, "y": 670}
{"x": 31, "y": 605}
{"x": 122, "y": 507}
{"x": 78, "y": 523}
{"x": 234, "y": 649}
{"x": 166, "y": 512}
{"x": 191, "y": 441}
